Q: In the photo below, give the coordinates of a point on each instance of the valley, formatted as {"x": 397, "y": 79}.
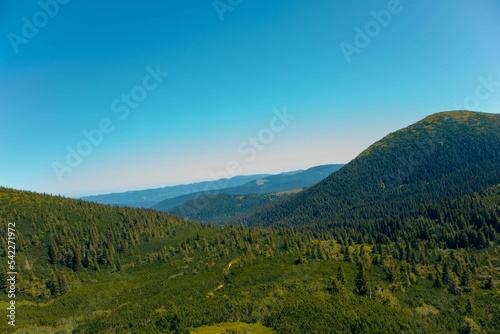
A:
{"x": 403, "y": 239}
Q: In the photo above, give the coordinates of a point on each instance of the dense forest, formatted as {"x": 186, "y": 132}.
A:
{"x": 89, "y": 268}
{"x": 444, "y": 156}
{"x": 223, "y": 208}
{"x": 422, "y": 255}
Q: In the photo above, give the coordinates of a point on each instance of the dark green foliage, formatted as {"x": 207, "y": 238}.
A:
{"x": 220, "y": 209}
{"x": 428, "y": 266}
{"x": 340, "y": 275}
{"x": 443, "y": 157}
{"x": 3, "y": 282}
{"x": 167, "y": 277}
{"x": 361, "y": 281}
{"x": 488, "y": 283}
{"x": 335, "y": 286}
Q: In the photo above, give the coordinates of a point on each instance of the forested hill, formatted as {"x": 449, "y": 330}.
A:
{"x": 222, "y": 208}
{"x": 89, "y": 268}
{"x": 444, "y": 156}
{"x": 399, "y": 242}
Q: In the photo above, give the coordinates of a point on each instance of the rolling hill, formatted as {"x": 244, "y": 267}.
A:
{"x": 90, "y": 268}
{"x": 402, "y": 239}
{"x": 223, "y": 208}
{"x": 444, "y": 156}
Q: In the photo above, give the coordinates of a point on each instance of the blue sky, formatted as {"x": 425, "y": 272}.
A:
{"x": 67, "y": 67}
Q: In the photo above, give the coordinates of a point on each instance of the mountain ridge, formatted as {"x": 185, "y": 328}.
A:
{"x": 389, "y": 262}
{"x": 417, "y": 161}
{"x": 155, "y": 195}
{"x": 285, "y": 181}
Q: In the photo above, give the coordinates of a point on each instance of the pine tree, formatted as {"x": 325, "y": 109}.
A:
{"x": 445, "y": 276}
{"x": 438, "y": 282}
{"x": 63, "y": 282}
{"x": 76, "y": 261}
{"x": 360, "y": 282}
{"x": 118, "y": 264}
{"x": 95, "y": 265}
{"x": 53, "y": 253}
{"x": 3, "y": 245}
{"x": 469, "y": 309}
{"x": 340, "y": 274}
{"x": 466, "y": 280}
{"x": 335, "y": 286}
{"x": 453, "y": 284}
{"x": 347, "y": 254}
{"x": 53, "y": 284}
{"x": 488, "y": 284}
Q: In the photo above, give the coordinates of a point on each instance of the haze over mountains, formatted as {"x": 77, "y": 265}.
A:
{"x": 404, "y": 238}
{"x": 149, "y": 197}
{"x": 444, "y": 156}
{"x": 166, "y": 198}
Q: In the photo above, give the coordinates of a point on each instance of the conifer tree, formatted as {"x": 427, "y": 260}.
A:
{"x": 335, "y": 286}
{"x": 53, "y": 284}
{"x": 63, "y": 282}
{"x": 360, "y": 282}
{"x": 340, "y": 274}
{"x": 466, "y": 280}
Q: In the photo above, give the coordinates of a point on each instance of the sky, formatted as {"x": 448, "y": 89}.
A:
{"x": 109, "y": 96}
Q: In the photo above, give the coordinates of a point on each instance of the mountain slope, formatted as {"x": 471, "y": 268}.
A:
{"x": 268, "y": 184}
{"x": 444, "y": 156}
{"x": 285, "y": 181}
{"x": 89, "y": 268}
{"x": 149, "y": 197}
{"x": 222, "y": 208}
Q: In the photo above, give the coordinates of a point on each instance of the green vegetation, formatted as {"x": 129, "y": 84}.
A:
{"x": 425, "y": 263}
{"x": 443, "y": 157}
{"x": 233, "y": 328}
{"x": 168, "y": 275}
{"x": 221, "y": 209}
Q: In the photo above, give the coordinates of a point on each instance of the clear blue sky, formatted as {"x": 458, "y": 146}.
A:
{"x": 228, "y": 68}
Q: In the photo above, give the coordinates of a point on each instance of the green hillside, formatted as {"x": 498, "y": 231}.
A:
{"x": 222, "y": 208}
{"x": 88, "y": 268}
{"x": 444, "y": 156}
{"x": 381, "y": 246}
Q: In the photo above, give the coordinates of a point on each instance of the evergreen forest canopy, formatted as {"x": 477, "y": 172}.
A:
{"x": 404, "y": 239}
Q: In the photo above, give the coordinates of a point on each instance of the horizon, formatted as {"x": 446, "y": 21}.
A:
{"x": 178, "y": 184}
{"x": 115, "y": 97}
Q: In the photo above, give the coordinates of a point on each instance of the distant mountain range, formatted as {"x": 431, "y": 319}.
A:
{"x": 164, "y": 199}
{"x": 285, "y": 181}
{"x": 149, "y": 197}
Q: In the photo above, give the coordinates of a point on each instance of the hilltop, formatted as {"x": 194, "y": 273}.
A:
{"x": 444, "y": 156}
